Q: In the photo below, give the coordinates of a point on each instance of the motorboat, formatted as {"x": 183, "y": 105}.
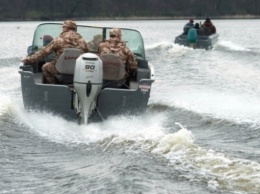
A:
{"x": 83, "y": 92}
{"x": 203, "y": 41}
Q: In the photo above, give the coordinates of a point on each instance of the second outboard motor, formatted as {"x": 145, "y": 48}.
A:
{"x": 192, "y": 37}
{"x": 88, "y": 79}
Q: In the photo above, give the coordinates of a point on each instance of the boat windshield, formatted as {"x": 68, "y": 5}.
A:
{"x": 46, "y": 32}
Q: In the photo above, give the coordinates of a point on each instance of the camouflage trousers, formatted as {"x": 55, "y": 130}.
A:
{"x": 48, "y": 71}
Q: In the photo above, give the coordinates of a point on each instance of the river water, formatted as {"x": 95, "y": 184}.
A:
{"x": 200, "y": 134}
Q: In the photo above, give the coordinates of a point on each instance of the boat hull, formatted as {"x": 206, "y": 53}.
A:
{"x": 60, "y": 99}
{"x": 203, "y": 42}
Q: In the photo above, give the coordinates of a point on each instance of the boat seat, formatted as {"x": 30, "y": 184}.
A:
{"x": 113, "y": 71}
{"x": 143, "y": 71}
{"x": 142, "y": 63}
{"x": 66, "y": 65}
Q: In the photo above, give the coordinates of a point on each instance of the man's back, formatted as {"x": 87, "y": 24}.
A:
{"x": 116, "y": 46}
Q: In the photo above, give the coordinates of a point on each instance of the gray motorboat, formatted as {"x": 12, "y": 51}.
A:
{"x": 82, "y": 93}
{"x": 203, "y": 41}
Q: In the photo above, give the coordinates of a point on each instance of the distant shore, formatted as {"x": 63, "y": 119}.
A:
{"x": 143, "y": 18}
{"x": 173, "y": 18}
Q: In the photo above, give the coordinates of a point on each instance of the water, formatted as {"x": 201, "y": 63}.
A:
{"x": 199, "y": 135}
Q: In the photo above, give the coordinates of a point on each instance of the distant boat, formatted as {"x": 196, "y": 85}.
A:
{"x": 202, "y": 41}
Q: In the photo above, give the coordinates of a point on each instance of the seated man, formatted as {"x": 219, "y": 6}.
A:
{"x": 94, "y": 44}
{"x": 188, "y": 26}
{"x": 199, "y": 30}
{"x": 47, "y": 39}
{"x": 116, "y": 46}
{"x": 69, "y": 38}
{"x": 208, "y": 27}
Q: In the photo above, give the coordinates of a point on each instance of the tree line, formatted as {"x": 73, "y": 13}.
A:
{"x": 111, "y": 9}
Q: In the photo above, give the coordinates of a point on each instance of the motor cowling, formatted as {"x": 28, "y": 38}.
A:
{"x": 192, "y": 35}
{"x": 88, "y": 80}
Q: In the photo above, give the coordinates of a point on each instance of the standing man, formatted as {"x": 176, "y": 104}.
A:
{"x": 69, "y": 38}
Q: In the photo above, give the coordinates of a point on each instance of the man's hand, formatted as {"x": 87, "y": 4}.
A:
{"x": 24, "y": 60}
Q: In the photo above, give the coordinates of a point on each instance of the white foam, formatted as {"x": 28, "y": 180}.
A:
{"x": 231, "y": 106}
{"x": 196, "y": 163}
{"x": 232, "y": 46}
{"x": 159, "y": 45}
{"x": 124, "y": 128}
{"x": 148, "y": 133}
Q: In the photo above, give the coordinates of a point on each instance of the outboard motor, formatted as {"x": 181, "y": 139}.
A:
{"x": 88, "y": 80}
{"x": 192, "y": 37}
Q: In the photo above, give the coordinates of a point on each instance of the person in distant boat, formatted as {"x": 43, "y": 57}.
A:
{"x": 116, "y": 46}
{"x": 208, "y": 27}
{"x": 197, "y": 26}
{"x": 198, "y": 29}
{"x": 187, "y": 26}
{"x": 69, "y": 38}
{"x": 94, "y": 44}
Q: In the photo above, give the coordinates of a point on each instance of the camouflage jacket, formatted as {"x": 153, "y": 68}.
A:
{"x": 209, "y": 26}
{"x": 92, "y": 46}
{"x": 119, "y": 47}
{"x": 70, "y": 39}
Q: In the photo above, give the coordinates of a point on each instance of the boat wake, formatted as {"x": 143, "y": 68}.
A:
{"x": 231, "y": 46}
{"x": 236, "y": 107}
{"x": 167, "y": 47}
{"x": 161, "y": 52}
{"x": 151, "y": 133}
{"x": 218, "y": 171}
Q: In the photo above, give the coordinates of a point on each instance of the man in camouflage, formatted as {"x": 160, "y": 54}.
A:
{"x": 69, "y": 38}
{"x": 116, "y": 46}
{"x": 94, "y": 44}
{"x": 208, "y": 27}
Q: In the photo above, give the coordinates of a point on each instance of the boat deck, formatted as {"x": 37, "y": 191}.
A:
{"x": 38, "y": 77}
{"x": 203, "y": 42}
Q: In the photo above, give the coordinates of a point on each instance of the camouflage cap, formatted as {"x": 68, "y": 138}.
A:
{"x": 70, "y": 24}
{"x": 98, "y": 37}
{"x": 115, "y": 31}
